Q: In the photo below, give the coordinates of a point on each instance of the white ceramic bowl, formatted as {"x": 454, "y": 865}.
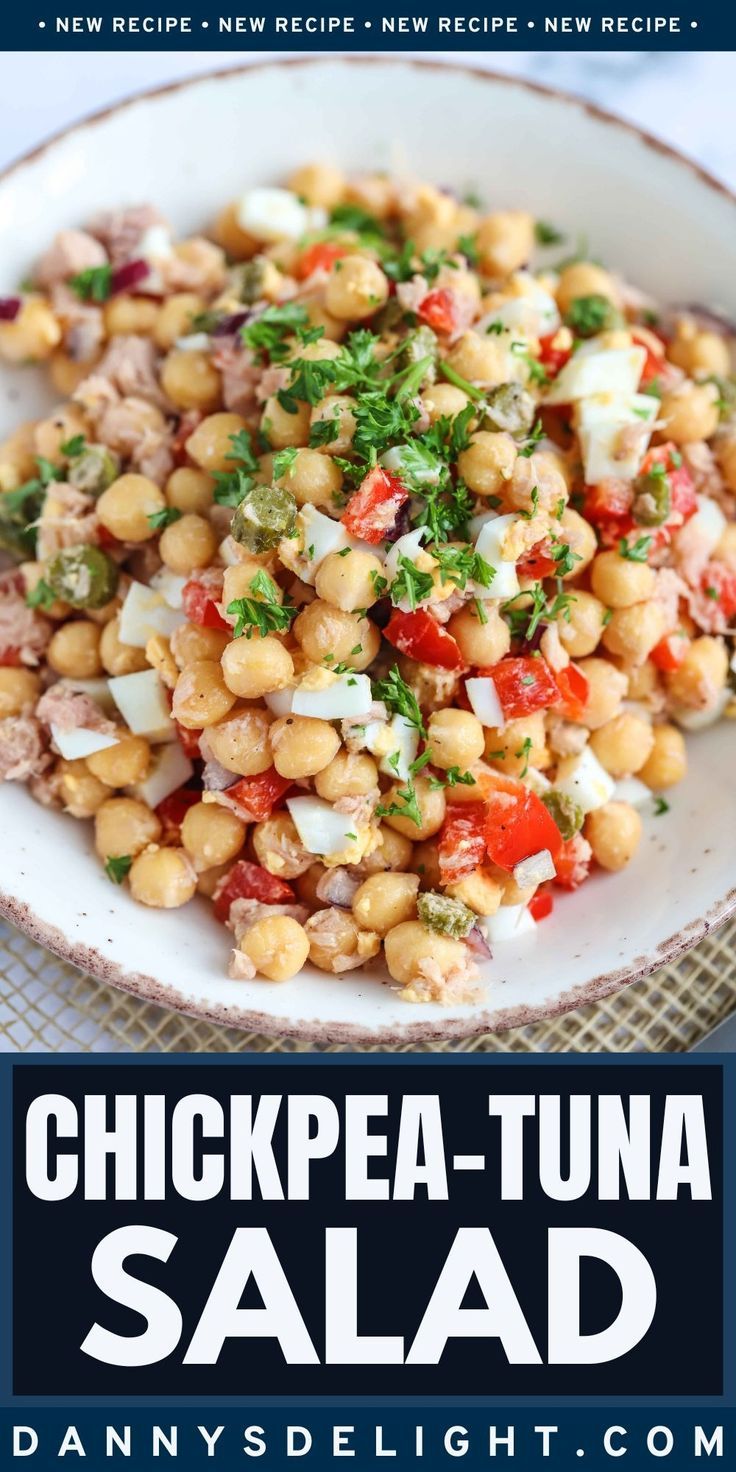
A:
{"x": 656, "y": 217}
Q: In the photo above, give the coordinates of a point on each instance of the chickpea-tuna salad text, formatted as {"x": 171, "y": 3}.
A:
{"x": 370, "y": 571}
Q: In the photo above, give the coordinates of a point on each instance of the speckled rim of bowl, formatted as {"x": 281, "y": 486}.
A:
{"x": 148, "y": 988}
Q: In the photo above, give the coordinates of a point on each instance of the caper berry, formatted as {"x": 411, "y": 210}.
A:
{"x": 94, "y": 470}
{"x": 567, "y": 814}
{"x": 509, "y": 407}
{"x": 446, "y": 916}
{"x": 652, "y": 500}
{"x": 83, "y": 576}
{"x": 266, "y": 514}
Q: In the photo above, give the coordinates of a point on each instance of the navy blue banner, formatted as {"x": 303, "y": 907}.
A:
{"x": 316, "y": 1258}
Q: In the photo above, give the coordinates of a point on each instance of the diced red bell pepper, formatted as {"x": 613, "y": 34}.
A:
{"x": 173, "y": 810}
{"x": 247, "y": 881}
{"x": 611, "y": 500}
{"x": 189, "y": 740}
{"x": 10, "y": 658}
{"x": 541, "y": 904}
{"x": 258, "y": 796}
{"x": 421, "y": 637}
{"x": 518, "y": 825}
{"x": 654, "y": 363}
{"x": 572, "y": 863}
{"x": 439, "y": 310}
{"x": 318, "y": 257}
{"x": 669, "y": 653}
{"x": 462, "y": 844}
{"x": 373, "y": 508}
{"x": 524, "y": 684}
{"x": 552, "y": 358}
{"x": 719, "y": 583}
{"x": 201, "y": 608}
{"x": 538, "y": 564}
{"x": 574, "y": 689}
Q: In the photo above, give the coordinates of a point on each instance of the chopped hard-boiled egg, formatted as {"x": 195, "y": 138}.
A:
{"x": 490, "y": 546}
{"x": 80, "y": 741}
{"x": 146, "y": 612}
{"x": 332, "y": 697}
{"x": 511, "y": 922}
{"x": 592, "y": 370}
{"x": 585, "y": 781}
{"x": 277, "y": 214}
{"x": 141, "y": 700}
{"x": 395, "y": 744}
{"x": 528, "y": 307}
{"x": 321, "y": 536}
{"x": 324, "y": 831}
{"x": 484, "y": 699}
{"x": 169, "y": 771}
{"x": 614, "y": 434}
{"x": 170, "y": 585}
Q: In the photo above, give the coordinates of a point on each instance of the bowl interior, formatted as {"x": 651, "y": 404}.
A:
{"x": 642, "y": 210}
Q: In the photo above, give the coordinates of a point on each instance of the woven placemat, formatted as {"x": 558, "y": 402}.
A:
{"x": 48, "y": 1006}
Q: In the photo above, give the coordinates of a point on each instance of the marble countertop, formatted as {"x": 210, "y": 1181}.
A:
{"x": 687, "y": 98}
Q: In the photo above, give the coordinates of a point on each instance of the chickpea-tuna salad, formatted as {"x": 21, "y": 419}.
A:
{"x": 370, "y": 571}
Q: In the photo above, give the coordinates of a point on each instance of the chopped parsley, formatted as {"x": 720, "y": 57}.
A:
{"x": 660, "y": 806}
{"x": 407, "y": 808}
{"x": 458, "y": 565}
{"x": 264, "y": 612}
{"x": 42, "y": 596}
{"x": 74, "y": 447}
{"x": 268, "y": 332}
{"x": 283, "y": 462}
{"x": 635, "y": 551}
{"x": 410, "y": 583}
{"x": 400, "y": 698}
{"x": 116, "y": 868}
{"x": 530, "y": 444}
{"x": 163, "y": 518}
{"x": 588, "y": 315}
{"x": 546, "y": 234}
{"x": 93, "y": 285}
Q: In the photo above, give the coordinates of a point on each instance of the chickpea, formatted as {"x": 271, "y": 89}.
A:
{"x": 173, "y": 318}
{"x": 50, "y": 434}
{"x": 348, "y": 582}
{"x": 238, "y": 580}
{"x": 210, "y": 444}
{"x": 65, "y": 373}
{"x": 319, "y": 317}
{"x": 410, "y": 944}
{"x": 582, "y": 278}
{"x": 313, "y": 479}
{"x": 126, "y": 506}
{"x": 505, "y": 241}
{"x": 337, "y": 943}
{"x": 190, "y": 491}
{"x": 187, "y": 544}
{"x": 338, "y": 409}
{"x": 699, "y": 352}
{"x": 19, "y": 690}
{"x": 443, "y": 400}
{"x": 689, "y": 413}
{"x": 302, "y": 745}
{"x": 163, "y": 878}
{"x": 254, "y": 667}
{"x": 581, "y": 624}
{"x": 321, "y": 630}
{"x": 666, "y": 764}
{"x": 644, "y": 680}
{"x": 191, "y": 643}
{"x": 385, "y": 900}
{"x": 456, "y": 737}
{"x": 123, "y": 825}
{"x": 356, "y": 288}
{"x": 480, "y": 643}
{"x": 432, "y": 219}
{"x": 614, "y": 833}
{"x": 431, "y": 805}
{"x": 393, "y": 852}
{"x": 159, "y": 657}
{"x": 123, "y": 315}
{"x": 229, "y": 233}
{"x": 209, "y": 879}
{"x": 33, "y": 335}
{"x": 624, "y": 744}
{"x": 74, "y": 650}
{"x": 581, "y": 538}
{"x": 190, "y": 380}
{"x": 520, "y": 745}
{"x": 283, "y": 429}
{"x": 375, "y": 193}
{"x": 726, "y": 549}
{"x": 349, "y": 774}
{"x": 702, "y": 675}
{"x": 211, "y": 834}
{"x": 607, "y": 687}
{"x": 202, "y": 696}
{"x": 619, "y": 582}
{"x": 484, "y": 360}
{"x": 319, "y": 184}
{"x": 122, "y": 765}
{"x": 278, "y": 946}
{"x": 434, "y": 687}
{"x": 633, "y": 632}
{"x": 240, "y": 742}
{"x": 725, "y": 450}
{"x": 482, "y": 891}
{"x": 278, "y": 847}
{"x": 33, "y": 574}
{"x": 118, "y": 658}
{"x": 79, "y": 792}
{"x": 487, "y": 463}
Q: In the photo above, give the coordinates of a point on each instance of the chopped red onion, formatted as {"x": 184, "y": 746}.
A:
{"x": 129, "y": 275}
{"x": 537, "y": 869}
{"x": 478, "y": 944}
{"x": 9, "y": 308}
{"x": 216, "y": 778}
{"x": 338, "y": 887}
{"x": 230, "y": 325}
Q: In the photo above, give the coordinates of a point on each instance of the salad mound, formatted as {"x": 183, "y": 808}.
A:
{"x": 369, "y": 572}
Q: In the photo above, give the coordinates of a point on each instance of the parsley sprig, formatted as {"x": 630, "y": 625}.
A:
{"x": 263, "y": 612}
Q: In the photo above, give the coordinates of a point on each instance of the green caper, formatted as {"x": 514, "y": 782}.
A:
{"x": 419, "y": 346}
{"x": 509, "y": 407}
{"x": 19, "y": 512}
{"x": 83, "y": 576}
{"x": 94, "y": 470}
{"x": 652, "y": 500}
{"x": 266, "y": 514}
{"x": 567, "y": 814}
{"x": 248, "y": 279}
{"x": 444, "y": 915}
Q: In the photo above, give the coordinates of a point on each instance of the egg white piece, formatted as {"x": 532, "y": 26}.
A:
{"x": 169, "y": 771}
{"x": 80, "y": 742}
{"x": 145, "y": 612}
{"x": 588, "y": 783}
{"x": 596, "y": 371}
{"x": 141, "y": 700}
{"x": 345, "y": 696}
{"x": 277, "y": 214}
{"x": 321, "y": 829}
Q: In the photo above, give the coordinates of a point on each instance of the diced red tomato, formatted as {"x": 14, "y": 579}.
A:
{"x": 10, "y": 658}
{"x": 247, "y": 881}
{"x": 552, "y": 358}
{"x": 538, "y": 564}
{"x": 258, "y": 796}
{"x": 524, "y": 684}
{"x": 669, "y": 653}
{"x": 518, "y": 825}
{"x": 421, "y": 637}
{"x": 573, "y": 688}
{"x": 462, "y": 844}
{"x": 318, "y": 257}
{"x": 719, "y": 583}
{"x": 609, "y": 501}
{"x": 438, "y": 310}
{"x": 200, "y": 607}
{"x": 374, "y": 507}
{"x": 105, "y": 538}
{"x": 541, "y": 904}
{"x": 654, "y": 362}
{"x": 572, "y": 863}
{"x": 682, "y": 487}
{"x": 173, "y": 810}
{"x": 189, "y": 741}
